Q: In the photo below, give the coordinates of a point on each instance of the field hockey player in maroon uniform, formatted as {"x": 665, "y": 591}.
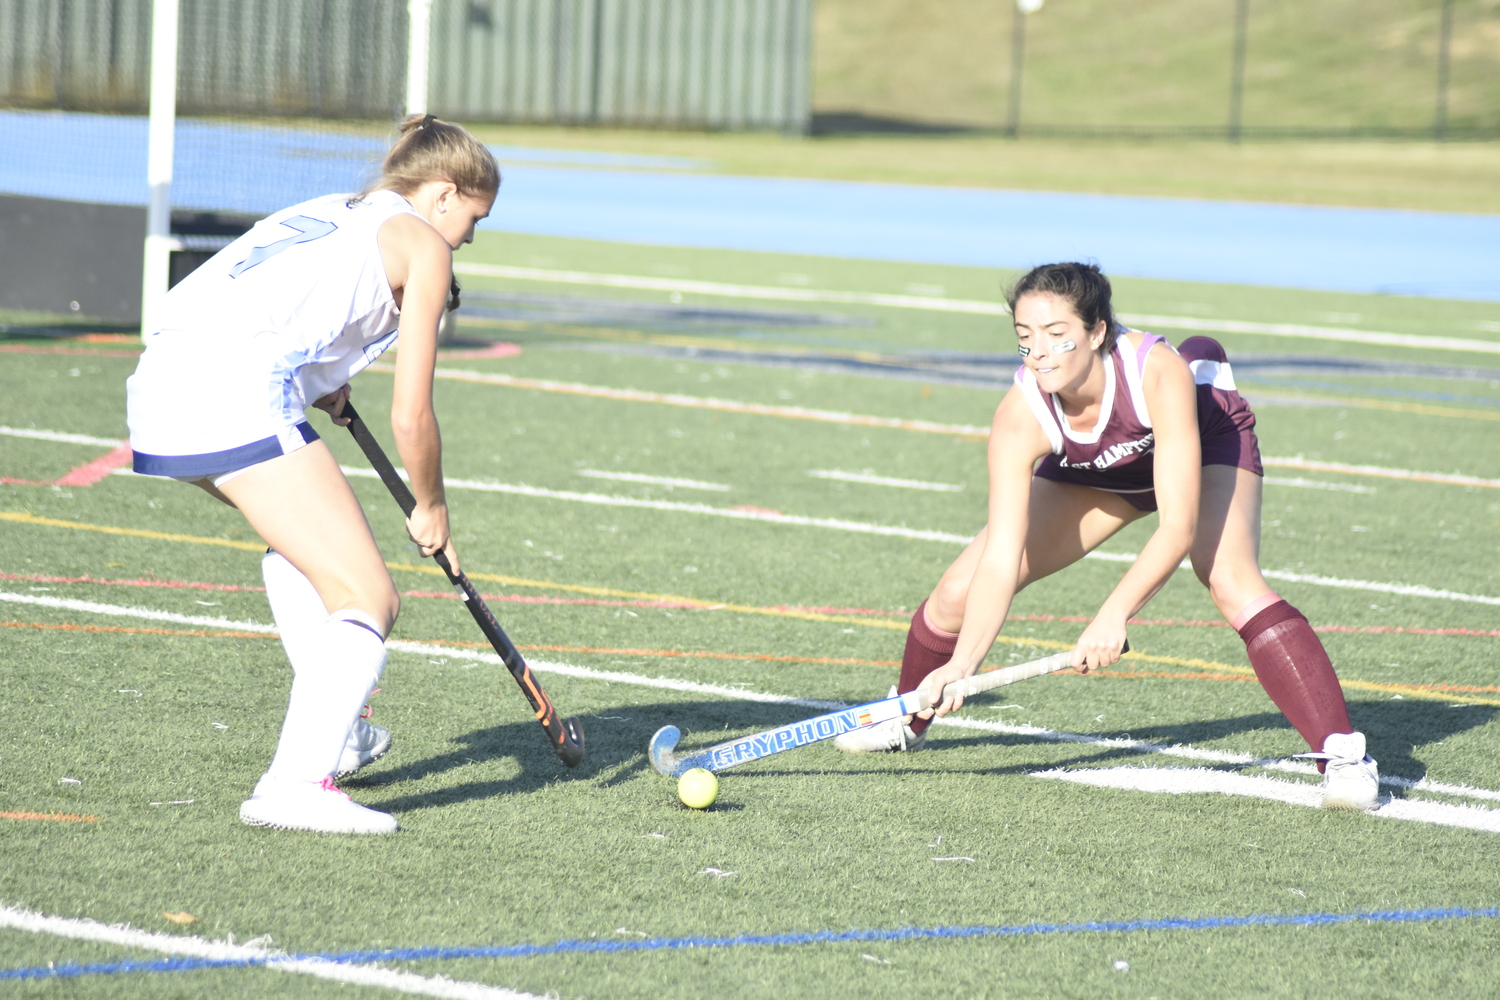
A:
{"x": 1103, "y": 426}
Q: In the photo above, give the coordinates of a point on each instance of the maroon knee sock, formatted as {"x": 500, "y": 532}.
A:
{"x": 1293, "y": 667}
{"x": 926, "y": 650}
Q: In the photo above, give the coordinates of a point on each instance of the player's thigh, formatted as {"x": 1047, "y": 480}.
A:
{"x": 1226, "y": 550}
{"x": 304, "y": 508}
{"x": 1066, "y": 523}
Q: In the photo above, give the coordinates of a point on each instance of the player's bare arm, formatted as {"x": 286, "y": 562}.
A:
{"x": 1171, "y": 398}
{"x": 1016, "y": 442}
{"x": 420, "y": 268}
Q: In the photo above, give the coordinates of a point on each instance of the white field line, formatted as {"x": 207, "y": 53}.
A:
{"x": 1316, "y": 332}
{"x": 1211, "y": 756}
{"x": 613, "y": 676}
{"x": 195, "y": 947}
{"x": 1294, "y": 462}
{"x": 732, "y": 513}
{"x": 59, "y": 436}
{"x": 1316, "y": 484}
{"x": 918, "y": 534}
{"x": 149, "y": 614}
{"x": 1379, "y": 472}
{"x": 675, "y": 684}
{"x": 931, "y": 303}
{"x": 1400, "y": 589}
{"x": 637, "y": 477}
{"x": 1197, "y": 780}
{"x": 897, "y": 423}
{"x": 873, "y": 480}
{"x": 1139, "y": 746}
{"x": 970, "y": 306}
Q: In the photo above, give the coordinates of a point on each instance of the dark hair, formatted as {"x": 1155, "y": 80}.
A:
{"x": 1082, "y": 286}
{"x": 429, "y": 149}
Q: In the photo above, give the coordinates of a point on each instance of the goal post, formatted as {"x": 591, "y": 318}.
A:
{"x": 165, "y": 152}
{"x": 157, "y": 262}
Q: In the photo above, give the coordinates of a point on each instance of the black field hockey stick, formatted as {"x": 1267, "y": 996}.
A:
{"x": 566, "y": 737}
{"x": 823, "y": 727}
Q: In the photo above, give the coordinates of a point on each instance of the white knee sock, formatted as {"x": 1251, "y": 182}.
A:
{"x": 296, "y": 606}
{"x": 340, "y": 663}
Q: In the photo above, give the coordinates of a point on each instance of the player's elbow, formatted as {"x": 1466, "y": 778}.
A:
{"x": 1178, "y": 529}
{"x": 410, "y": 423}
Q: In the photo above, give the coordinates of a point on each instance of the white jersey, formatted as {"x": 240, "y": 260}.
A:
{"x": 282, "y": 316}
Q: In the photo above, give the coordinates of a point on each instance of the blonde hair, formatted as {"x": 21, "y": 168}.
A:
{"x": 431, "y": 150}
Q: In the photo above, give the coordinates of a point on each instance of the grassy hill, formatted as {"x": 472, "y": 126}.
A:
{"x": 1338, "y": 65}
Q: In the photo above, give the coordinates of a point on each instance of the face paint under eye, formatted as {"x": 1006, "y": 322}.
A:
{"x": 1024, "y": 351}
{"x": 1064, "y": 347}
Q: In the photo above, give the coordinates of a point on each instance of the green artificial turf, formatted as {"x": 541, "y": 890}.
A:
{"x": 162, "y": 734}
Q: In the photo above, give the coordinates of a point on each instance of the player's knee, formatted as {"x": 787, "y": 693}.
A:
{"x": 946, "y": 605}
{"x": 380, "y": 601}
{"x": 1229, "y": 590}
{"x": 1203, "y": 570}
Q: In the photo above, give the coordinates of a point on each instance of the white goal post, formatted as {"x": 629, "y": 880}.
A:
{"x": 156, "y": 260}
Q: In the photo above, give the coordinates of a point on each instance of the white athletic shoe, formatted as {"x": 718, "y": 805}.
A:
{"x": 891, "y": 735}
{"x": 367, "y": 744}
{"x": 318, "y": 806}
{"x": 1350, "y": 781}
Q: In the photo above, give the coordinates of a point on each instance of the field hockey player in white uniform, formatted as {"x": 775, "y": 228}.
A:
{"x": 280, "y": 321}
{"x": 1104, "y": 426}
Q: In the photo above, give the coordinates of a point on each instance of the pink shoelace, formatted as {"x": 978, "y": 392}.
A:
{"x": 329, "y": 786}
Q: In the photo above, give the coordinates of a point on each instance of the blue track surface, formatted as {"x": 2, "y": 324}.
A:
{"x": 595, "y": 946}
{"x": 585, "y": 195}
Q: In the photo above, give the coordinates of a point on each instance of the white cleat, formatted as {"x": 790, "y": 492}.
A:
{"x": 318, "y": 806}
{"x": 891, "y": 735}
{"x": 1350, "y": 781}
{"x": 367, "y": 744}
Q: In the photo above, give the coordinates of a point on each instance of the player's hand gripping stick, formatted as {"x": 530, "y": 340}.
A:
{"x": 566, "y": 737}
{"x": 799, "y": 734}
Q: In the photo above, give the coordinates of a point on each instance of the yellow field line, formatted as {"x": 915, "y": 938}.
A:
{"x": 53, "y": 817}
{"x": 745, "y": 609}
{"x": 1381, "y": 404}
{"x": 893, "y": 624}
{"x": 22, "y": 517}
{"x": 1405, "y": 690}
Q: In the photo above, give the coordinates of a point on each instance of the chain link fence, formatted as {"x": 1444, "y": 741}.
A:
{"x": 717, "y": 64}
{"x": 1210, "y": 69}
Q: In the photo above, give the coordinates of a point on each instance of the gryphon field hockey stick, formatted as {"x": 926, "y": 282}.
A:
{"x": 566, "y": 737}
{"x": 800, "y": 734}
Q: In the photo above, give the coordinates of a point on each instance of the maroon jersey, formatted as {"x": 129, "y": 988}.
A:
{"x": 1117, "y": 454}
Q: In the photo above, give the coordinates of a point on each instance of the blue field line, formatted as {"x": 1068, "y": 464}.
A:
{"x": 594, "y": 946}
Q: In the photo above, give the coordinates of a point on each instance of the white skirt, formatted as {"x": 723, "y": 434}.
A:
{"x": 203, "y": 405}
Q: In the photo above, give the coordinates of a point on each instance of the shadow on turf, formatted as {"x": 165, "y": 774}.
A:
{"x": 616, "y": 750}
{"x": 617, "y": 745}
{"x": 1395, "y": 731}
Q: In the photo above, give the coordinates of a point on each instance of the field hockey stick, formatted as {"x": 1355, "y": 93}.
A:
{"x": 823, "y": 727}
{"x": 566, "y": 737}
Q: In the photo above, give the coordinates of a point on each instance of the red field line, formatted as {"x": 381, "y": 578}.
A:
{"x": 670, "y": 653}
{"x": 1417, "y": 689}
{"x": 139, "y": 582}
{"x": 69, "y": 627}
{"x": 90, "y": 473}
{"x": 85, "y": 352}
{"x": 86, "y": 474}
{"x": 50, "y": 817}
